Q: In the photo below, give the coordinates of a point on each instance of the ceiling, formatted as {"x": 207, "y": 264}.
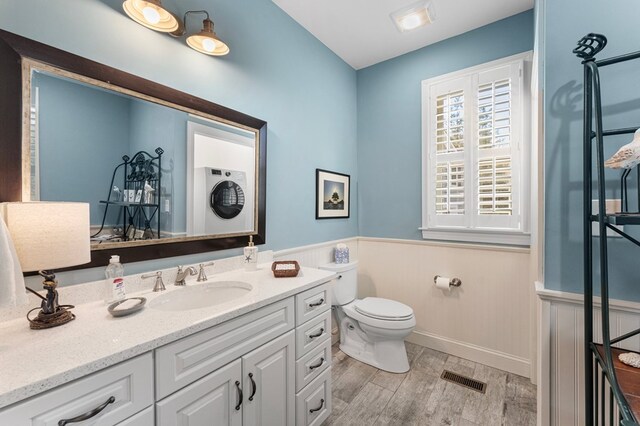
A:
{"x": 362, "y": 33}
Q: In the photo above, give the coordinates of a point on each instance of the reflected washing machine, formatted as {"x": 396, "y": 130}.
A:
{"x": 229, "y": 202}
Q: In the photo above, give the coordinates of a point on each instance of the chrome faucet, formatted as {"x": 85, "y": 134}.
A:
{"x": 202, "y": 276}
{"x": 183, "y": 273}
{"x": 159, "y": 284}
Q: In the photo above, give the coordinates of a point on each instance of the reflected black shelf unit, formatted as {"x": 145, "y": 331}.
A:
{"x": 603, "y": 371}
{"x": 140, "y": 172}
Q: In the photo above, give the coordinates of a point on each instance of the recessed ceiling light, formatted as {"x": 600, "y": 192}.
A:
{"x": 413, "y": 16}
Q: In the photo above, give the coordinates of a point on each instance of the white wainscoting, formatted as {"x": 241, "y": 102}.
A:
{"x": 561, "y": 357}
{"x": 315, "y": 255}
{"x": 486, "y": 320}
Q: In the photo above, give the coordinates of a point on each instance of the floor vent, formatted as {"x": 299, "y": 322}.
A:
{"x": 467, "y": 382}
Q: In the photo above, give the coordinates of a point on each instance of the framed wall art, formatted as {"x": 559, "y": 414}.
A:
{"x": 332, "y": 195}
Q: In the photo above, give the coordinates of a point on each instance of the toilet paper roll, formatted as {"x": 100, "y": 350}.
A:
{"x": 443, "y": 283}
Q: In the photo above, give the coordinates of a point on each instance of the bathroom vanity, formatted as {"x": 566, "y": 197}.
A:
{"x": 263, "y": 357}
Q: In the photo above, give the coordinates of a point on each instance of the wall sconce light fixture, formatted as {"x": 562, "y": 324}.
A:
{"x": 206, "y": 41}
{"x": 151, "y": 14}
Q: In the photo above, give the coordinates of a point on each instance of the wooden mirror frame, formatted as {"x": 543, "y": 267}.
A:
{"x": 15, "y": 49}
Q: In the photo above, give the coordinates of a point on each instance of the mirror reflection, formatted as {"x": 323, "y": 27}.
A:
{"x": 148, "y": 170}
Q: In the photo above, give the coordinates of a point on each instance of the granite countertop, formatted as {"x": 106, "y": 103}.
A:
{"x": 34, "y": 361}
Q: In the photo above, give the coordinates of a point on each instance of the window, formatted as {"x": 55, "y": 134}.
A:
{"x": 476, "y": 154}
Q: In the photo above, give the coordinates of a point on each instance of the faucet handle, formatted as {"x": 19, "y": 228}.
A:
{"x": 202, "y": 276}
{"x": 159, "y": 284}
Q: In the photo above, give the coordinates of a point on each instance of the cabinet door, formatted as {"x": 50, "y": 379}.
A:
{"x": 216, "y": 399}
{"x": 269, "y": 383}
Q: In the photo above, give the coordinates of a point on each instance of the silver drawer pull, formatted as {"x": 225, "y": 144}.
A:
{"x": 313, "y": 410}
{"x": 318, "y": 365}
{"x": 318, "y": 303}
{"x": 88, "y": 414}
{"x": 318, "y": 334}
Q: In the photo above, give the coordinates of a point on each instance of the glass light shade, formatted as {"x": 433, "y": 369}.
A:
{"x": 151, "y": 14}
{"x": 410, "y": 22}
{"x": 207, "y": 42}
{"x": 414, "y": 16}
{"x": 48, "y": 235}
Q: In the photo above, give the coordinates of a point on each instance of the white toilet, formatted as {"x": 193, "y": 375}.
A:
{"x": 372, "y": 330}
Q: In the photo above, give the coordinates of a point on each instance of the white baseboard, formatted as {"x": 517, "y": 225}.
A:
{"x": 492, "y": 358}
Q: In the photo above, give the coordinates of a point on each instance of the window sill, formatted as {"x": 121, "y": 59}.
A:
{"x": 494, "y": 236}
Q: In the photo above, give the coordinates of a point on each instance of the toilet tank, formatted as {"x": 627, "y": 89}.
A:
{"x": 345, "y": 287}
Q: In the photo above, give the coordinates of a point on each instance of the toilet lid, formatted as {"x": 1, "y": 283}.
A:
{"x": 384, "y": 309}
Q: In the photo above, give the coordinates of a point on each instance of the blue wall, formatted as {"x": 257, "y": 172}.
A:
{"x": 83, "y": 134}
{"x": 389, "y": 121}
{"x": 566, "y": 21}
{"x": 154, "y": 126}
{"x": 276, "y": 71}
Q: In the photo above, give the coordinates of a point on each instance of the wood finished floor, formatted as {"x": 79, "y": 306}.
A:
{"x": 364, "y": 395}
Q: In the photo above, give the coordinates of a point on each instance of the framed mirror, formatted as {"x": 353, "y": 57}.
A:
{"x": 165, "y": 173}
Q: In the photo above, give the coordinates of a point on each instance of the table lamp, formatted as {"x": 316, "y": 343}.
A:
{"x": 48, "y": 236}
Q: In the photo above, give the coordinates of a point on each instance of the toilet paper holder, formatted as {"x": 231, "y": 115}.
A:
{"x": 453, "y": 282}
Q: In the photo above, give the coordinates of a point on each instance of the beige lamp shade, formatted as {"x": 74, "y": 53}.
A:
{"x": 49, "y": 235}
{"x": 151, "y": 14}
{"x": 207, "y": 42}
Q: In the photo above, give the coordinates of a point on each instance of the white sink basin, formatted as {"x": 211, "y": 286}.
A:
{"x": 201, "y": 296}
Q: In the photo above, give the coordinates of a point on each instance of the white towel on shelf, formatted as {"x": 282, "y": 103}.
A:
{"x": 12, "y": 290}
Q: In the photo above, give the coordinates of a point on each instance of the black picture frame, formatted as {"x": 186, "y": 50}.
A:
{"x": 333, "y": 195}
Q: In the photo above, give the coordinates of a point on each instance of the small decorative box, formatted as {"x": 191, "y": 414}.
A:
{"x": 342, "y": 255}
{"x": 285, "y": 268}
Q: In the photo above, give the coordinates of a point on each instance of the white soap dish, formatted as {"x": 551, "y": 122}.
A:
{"x": 117, "y": 310}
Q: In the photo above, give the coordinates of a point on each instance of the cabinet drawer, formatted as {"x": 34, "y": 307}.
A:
{"x": 143, "y": 418}
{"x": 313, "y": 364}
{"x": 129, "y": 385}
{"x": 313, "y": 333}
{"x": 313, "y": 404}
{"x": 188, "y": 359}
{"x": 312, "y": 302}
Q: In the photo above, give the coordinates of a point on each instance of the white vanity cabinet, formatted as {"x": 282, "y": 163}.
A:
{"x": 313, "y": 353}
{"x": 269, "y": 367}
{"x": 257, "y": 389}
{"x": 107, "y": 397}
{"x": 269, "y": 383}
{"x": 215, "y": 396}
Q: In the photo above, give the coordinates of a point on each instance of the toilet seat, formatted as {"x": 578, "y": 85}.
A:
{"x": 383, "y": 309}
{"x": 377, "y": 319}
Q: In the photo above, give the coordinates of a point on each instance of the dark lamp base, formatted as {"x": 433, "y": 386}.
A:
{"x": 51, "y": 313}
{"x": 62, "y": 316}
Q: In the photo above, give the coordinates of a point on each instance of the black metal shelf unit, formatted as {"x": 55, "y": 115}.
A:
{"x": 142, "y": 175}
{"x": 600, "y": 365}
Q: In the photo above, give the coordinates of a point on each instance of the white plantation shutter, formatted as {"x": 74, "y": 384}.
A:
{"x": 498, "y": 125}
{"x": 449, "y": 197}
{"x": 450, "y": 122}
{"x": 494, "y": 186}
{"x": 473, "y": 141}
{"x": 448, "y": 136}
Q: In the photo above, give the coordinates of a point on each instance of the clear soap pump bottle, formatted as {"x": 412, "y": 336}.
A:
{"x": 114, "y": 282}
{"x": 251, "y": 256}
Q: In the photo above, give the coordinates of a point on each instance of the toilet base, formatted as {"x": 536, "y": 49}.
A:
{"x": 383, "y": 349}
{"x": 393, "y": 360}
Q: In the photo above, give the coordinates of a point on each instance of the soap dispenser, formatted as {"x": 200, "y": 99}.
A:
{"x": 251, "y": 256}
